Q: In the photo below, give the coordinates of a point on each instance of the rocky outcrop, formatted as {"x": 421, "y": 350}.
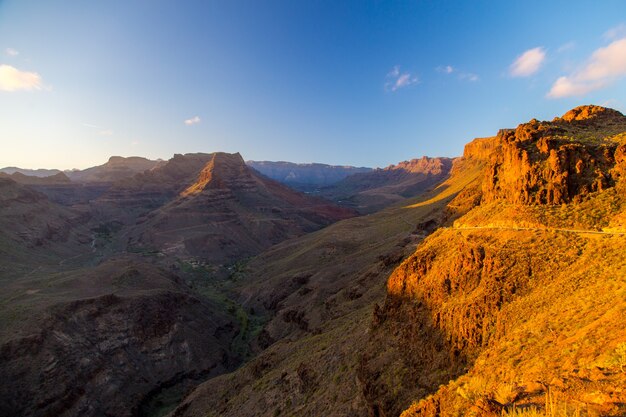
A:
{"x": 557, "y": 162}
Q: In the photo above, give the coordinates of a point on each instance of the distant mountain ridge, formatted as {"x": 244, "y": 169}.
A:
{"x": 305, "y": 176}
{"x": 370, "y": 191}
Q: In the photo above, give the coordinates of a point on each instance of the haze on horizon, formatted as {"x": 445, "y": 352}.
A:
{"x": 365, "y": 84}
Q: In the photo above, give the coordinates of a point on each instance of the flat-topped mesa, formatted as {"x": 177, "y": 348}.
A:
{"x": 222, "y": 171}
{"x": 560, "y": 161}
{"x": 423, "y": 165}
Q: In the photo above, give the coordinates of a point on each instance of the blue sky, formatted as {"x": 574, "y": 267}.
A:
{"x": 339, "y": 82}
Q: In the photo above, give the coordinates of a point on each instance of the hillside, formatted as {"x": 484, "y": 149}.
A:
{"x": 106, "y": 340}
{"x": 35, "y": 232}
{"x": 370, "y": 191}
{"x": 516, "y": 306}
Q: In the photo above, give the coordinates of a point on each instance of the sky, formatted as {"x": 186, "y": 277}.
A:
{"x": 365, "y": 83}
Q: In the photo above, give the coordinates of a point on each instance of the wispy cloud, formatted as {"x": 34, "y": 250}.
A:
{"x": 566, "y": 47}
{"x": 445, "y": 69}
{"x": 194, "y": 120}
{"x": 616, "y": 32}
{"x": 397, "y": 79}
{"x": 105, "y": 132}
{"x": 11, "y": 52}
{"x": 12, "y": 79}
{"x": 461, "y": 75}
{"x": 528, "y": 63}
{"x": 604, "y": 67}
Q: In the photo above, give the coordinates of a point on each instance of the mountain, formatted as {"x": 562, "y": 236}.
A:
{"x": 228, "y": 212}
{"x": 30, "y": 172}
{"x": 203, "y": 288}
{"x": 315, "y": 295}
{"x": 116, "y": 168}
{"x": 305, "y": 177}
{"x": 58, "y": 178}
{"x": 370, "y": 191}
{"x": 517, "y": 304}
{"x": 508, "y": 304}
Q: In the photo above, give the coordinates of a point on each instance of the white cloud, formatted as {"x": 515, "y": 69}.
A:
{"x": 11, "y": 52}
{"x": 604, "y": 67}
{"x": 12, "y": 79}
{"x": 397, "y": 80}
{"x": 528, "y": 63}
{"x": 616, "y": 32}
{"x": 447, "y": 69}
{"x": 105, "y": 132}
{"x": 194, "y": 120}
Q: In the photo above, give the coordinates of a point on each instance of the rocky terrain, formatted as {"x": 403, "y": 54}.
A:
{"x": 491, "y": 284}
{"x": 119, "y": 327}
{"x": 106, "y": 340}
{"x": 516, "y": 304}
{"x": 503, "y": 308}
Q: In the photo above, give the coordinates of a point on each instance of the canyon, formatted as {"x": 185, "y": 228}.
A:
{"x": 489, "y": 284}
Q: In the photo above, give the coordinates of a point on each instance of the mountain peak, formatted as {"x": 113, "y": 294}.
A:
{"x": 222, "y": 170}
{"x": 590, "y": 111}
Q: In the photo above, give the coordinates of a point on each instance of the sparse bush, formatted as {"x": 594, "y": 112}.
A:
{"x": 506, "y": 394}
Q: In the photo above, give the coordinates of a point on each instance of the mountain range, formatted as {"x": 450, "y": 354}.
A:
{"x": 491, "y": 284}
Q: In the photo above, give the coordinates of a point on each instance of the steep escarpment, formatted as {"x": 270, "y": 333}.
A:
{"x": 104, "y": 341}
{"x": 518, "y": 300}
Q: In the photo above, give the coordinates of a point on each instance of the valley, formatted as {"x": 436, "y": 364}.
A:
{"x": 488, "y": 284}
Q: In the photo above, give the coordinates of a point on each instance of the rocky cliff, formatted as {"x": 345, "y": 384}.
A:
{"x": 517, "y": 301}
{"x": 559, "y": 161}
